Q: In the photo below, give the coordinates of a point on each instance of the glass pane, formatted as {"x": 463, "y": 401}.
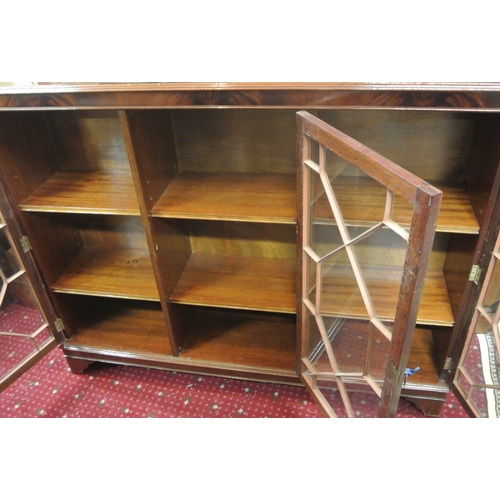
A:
{"x": 14, "y": 350}
{"x": 472, "y": 361}
{"x": 324, "y": 234}
{"x": 381, "y": 257}
{"x": 359, "y": 348}
{"x": 8, "y": 262}
{"x": 315, "y": 347}
{"x": 361, "y": 200}
{"x": 311, "y": 278}
{"x": 314, "y": 148}
{"x": 23, "y": 329}
{"x": 481, "y": 362}
{"x": 492, "y": 295}
{"x": 340, "y": 293}
{"x": 19, "y": 312}
{"x": 486, "y": 402}
{"x": 325, "y": 238}
{"x": 463, "y": 383}
{"x": 363, "y": 404}
{"x": 378, "y": 355}
{"x": 401, "y": 212}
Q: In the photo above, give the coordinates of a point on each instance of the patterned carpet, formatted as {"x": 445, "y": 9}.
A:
{"x": 51, "y": 390}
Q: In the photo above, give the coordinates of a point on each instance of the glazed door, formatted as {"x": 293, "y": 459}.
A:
{"x": 26, "y": 318}
{"x": 477, "y": 377}
{"x": 362, "y": 272}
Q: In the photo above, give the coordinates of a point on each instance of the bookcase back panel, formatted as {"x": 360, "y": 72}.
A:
{"x": 114, "y": 231}
{"x": 434, "y": 146}
{"x": 89, "y": 140}
{"x": 243, "y": 239}
{"x": 252, "y": 141}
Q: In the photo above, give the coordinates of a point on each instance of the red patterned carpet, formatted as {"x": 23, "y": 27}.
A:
{"x": 51, "y": 390}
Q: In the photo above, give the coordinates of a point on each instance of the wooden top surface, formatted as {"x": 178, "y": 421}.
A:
{"x": 297, "y": 95}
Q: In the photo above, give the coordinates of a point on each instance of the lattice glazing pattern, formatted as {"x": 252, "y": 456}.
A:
{"x": 353, "y": 271}
{"x": 478, "y": 372}
{"x": 23, "y": 329}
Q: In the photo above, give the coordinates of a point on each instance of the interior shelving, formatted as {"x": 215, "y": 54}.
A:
{"x": 85, "y": 191}
{"x": 421, "y": 355}
{"x": 383, "y": 284}
{"x": 241, "y": 265}
{"x": 359, "y": 199}
{"x": 95, "y": 254}
{"x": 108, "y": 272}
{"x": 231, "y": 196}
{"x": 242, "y": 282}
{"x": 260, "y": 340}
{"x": 127, "y": 326}
{"x": 171, "y": 232}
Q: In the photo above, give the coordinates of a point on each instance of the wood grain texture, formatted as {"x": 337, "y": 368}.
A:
{"x": 110, "y": 272}
{"x": 235, "y": 141}
{"x": 136, "y": 328}
{"x": 350, "y": 354}
{"x": 361, "y": 200}
{"x": 241, "y": 197}
{"x": 150, "y": 144}
{"x": 242, "y": 239}
{"x": 27, "y": 153}
{"x": 253, "y": 283}
{"x": 394, "y": 177}
{"x": 242, "y": 338}
{"x": 341, "y": 295}
{"x": 433, "y": 146}
{"x": 294, "y": 95}
{"x": 87, "y": 191}
{"x": 88, "y": 140}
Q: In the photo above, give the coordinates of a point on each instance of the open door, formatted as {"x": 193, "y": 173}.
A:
{"x": 27, "y": 331}
{"x": 477, "y": 377}
{"x": 362, "y": 272}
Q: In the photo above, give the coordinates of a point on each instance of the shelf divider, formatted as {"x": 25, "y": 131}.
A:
{"x": 85, "y": 191}
{"x": 110, "y": 272}
{"x": 254, "y": 283}
{"x": 364, "y": 196}
{"x": 230, "y": 196}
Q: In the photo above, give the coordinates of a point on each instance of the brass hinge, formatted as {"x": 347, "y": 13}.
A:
{"x": 58, "y": 323}
{"x": 475, "y": 274}
{"x": 447, "y": 364}
{"x": 26, "y": 244}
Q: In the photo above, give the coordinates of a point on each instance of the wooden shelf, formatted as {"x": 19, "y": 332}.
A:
{"x": 110, "y": 272}
{"x": 239, "y": 197}
{"x": 362, "y": 204}
{"x": 124, "y": 326}
{"x": 350, "y": 354}
{"x": 254, "y": 283}
{"x": 266, "y": 341}
{"x": 85, "y": 191}
{"x": 383, "y": 284}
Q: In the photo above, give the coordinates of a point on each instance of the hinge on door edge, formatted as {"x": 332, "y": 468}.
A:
{"x": 475, "y": 274}
{"x": 26, "y": 244}
{"x": 58, "y": 323}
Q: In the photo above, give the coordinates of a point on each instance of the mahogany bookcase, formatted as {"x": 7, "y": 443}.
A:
{"x": 164, "y": 223}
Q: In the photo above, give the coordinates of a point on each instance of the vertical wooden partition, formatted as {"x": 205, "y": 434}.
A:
{"x": 153, "y": 161}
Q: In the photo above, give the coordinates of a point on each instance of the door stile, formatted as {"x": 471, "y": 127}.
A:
{"x": 420, "y": 242}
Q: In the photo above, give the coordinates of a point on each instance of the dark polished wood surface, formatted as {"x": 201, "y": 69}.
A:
{"x": 165, "y": 133}
{"x": 466, "y": 96}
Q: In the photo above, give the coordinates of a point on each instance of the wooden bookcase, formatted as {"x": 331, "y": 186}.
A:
{"x": 163, "y": 219}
